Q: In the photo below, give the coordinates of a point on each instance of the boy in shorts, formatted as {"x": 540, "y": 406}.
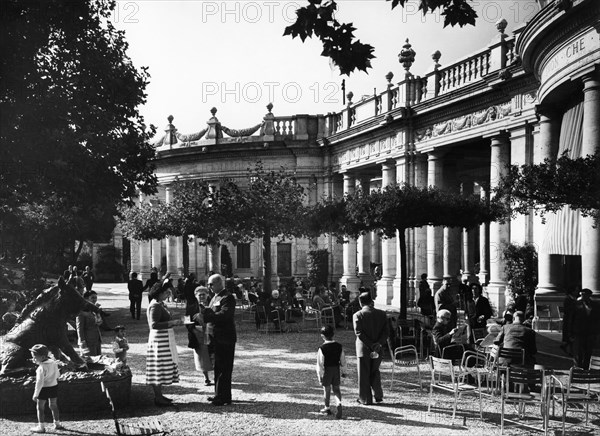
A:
{"x": 331, "y": 364}
{"x": 46, "y": 387}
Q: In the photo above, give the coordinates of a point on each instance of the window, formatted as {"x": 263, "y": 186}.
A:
{"x": 284, "y": 260}
{"x": 243, "y": 255}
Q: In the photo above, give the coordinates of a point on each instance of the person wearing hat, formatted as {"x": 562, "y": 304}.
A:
{"x": 200, "y": 335}
{"x": 584, "y": 328}
{"x": 220, "y": 317}
{"x": 46, "y": 387}
{"x": 120, "y": 345}
{"x": 161, "y": 357}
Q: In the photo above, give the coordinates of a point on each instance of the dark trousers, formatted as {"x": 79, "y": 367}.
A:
{"x": 224, "y": 354}
{"x": 135, "y": 307}
{"x": 583, "y": 346}
{"x": 369, "y": 378}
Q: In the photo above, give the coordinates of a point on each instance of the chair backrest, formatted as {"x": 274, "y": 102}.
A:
{"x": 516, "y": 355}
{"x": 406, "y": 327}
{"x": 518, "y": 377}
{"x": 441, "y": 367}
{"x": 407, "y": 353}
{"x": 578, "y": 376}
{"x": 595, "y": 362}
{"x": 479, "y": 334}
{"x": 471, "y": 359}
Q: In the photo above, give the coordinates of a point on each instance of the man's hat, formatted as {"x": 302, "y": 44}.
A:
{"x": 586, "y": 291}
{"x": 39, "y": 350}
{"x": 119, "y": 327}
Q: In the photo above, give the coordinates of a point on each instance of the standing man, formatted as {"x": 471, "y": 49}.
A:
{"x": 445, "y": 299}
{"x": 584, "y": 328}
{"x": 371, "y": 328}
{"x": 136, "y": 289}
{"x": 482, "y": 308}
{"x": 88, "y": 278}
{"x": 219, "y": 315}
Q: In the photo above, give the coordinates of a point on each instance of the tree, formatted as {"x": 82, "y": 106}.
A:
{"x": 551, "y": 185}
{"x": 521, "y": 270}
{"x": 71, "y": 133}
{"x": 318, "y": 18}
{"x": 396, "y": 208}
{"x": 269, "y": 205}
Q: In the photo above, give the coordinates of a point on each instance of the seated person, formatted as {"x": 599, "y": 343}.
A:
{"x": 344, "y": 296}
{"x": 275, "y": 304}
{"x": 518, "y": 336}
{"x": 320, "y": 303}
{"x": 442, "y": 335}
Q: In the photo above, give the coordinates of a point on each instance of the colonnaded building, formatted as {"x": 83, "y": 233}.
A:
{"x": 529, "y": 95}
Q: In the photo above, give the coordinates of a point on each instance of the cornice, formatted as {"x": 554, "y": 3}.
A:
{"x": 551, "y": 26}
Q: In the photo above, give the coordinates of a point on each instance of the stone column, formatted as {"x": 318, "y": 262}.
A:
{"x": 590, "y": 236}
{"x": 156, "y": 253}
{"x": 420, "y": 242}
{"x": 214, "y": 259}
{"x": 452, "y": 235}
{"x": 363, "y": 246}
{"x": 435, "y": 235}
{"x": 174, "y": 246}
{"x": 349, "y": 247}
{"x": 546, "y": 147}
{"x": 468, "y": 239}
{"x": 145, "y": 255}
{"x": 193, "y": 255}
{"x": 520, "y": 150}
{"x": 385, "y": 286}
{"x": 484, "y": 232}
{"x": 499, "y": 233}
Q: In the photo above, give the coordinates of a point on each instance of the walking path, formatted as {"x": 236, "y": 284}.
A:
{"x": 276, "y": 392}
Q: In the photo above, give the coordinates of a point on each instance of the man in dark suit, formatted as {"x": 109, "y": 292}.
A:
{"x": 220, "y": 316}
{"x": 483, "y": 310}
{"x": 584, "y": 328}
{"x": 371, "y": 329}
{"x": 136, "y": 289}
{"x": 518, "y": 336}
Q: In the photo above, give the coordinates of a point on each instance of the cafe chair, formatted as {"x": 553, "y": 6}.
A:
{"x": 446, "y": 377}
{"x": 311, "y": 315}
{"x": 328, "y": 317}
{"x": 403, "y": 357}
{"x": 521, "y": 387}
{"x": 581, "y": 389}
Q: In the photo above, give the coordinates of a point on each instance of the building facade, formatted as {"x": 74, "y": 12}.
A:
{"x": 530, "y": 94}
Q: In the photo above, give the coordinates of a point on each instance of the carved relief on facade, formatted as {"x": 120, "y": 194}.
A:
{"x": 464, "y": 122}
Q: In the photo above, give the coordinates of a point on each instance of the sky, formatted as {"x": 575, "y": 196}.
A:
{"x": 232, "y": 55}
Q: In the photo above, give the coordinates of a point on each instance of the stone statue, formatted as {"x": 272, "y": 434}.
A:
{"x": 44, "y": 321}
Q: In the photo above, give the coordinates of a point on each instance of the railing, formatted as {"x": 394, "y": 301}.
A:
{"x": 440, "y": 81}
{"x": 284, "y": 126}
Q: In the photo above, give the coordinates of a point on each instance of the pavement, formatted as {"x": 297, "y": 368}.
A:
{"x": 550, "y": 355}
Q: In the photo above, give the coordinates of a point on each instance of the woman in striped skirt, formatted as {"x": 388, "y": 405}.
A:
{"x": 161, "y": 357}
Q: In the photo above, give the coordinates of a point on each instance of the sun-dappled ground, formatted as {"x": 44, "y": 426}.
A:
{"x": 275, "y": 391}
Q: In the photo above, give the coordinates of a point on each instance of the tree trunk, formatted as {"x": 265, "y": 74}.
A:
{"x": 403, "y": 273}
{"x": 267, "y": 267}
{"x": 77, "y": 252}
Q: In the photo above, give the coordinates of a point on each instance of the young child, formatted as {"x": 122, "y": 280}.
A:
{"x": 46, "y": 387}
{"x": 331, "y": 363}
{"x": 120, "y": 345}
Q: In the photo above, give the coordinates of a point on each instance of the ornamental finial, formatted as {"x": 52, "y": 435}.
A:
{"x": 407, "y": 57}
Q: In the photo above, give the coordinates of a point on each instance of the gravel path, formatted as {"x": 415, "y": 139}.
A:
{"x": 275, "y": 391}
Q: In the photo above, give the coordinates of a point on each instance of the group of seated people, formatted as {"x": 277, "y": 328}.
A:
{"x": 451, "y": 341}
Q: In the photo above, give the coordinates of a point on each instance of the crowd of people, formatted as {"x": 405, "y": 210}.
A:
{"x": 209, "y": 320}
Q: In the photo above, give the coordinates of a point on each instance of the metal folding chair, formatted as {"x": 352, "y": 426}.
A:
{"x": 519, "y": 387}
{"x": 445, "y": 377}
{"x": 403, "y": 357}
{"x": 581, "y": 389}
